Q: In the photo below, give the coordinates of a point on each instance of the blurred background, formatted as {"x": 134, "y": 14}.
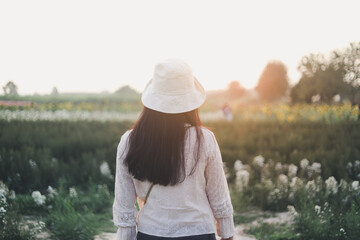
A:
{"x": 283, "y": 96}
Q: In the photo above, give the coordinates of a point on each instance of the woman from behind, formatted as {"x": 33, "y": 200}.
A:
{"x": 172, "y": 165}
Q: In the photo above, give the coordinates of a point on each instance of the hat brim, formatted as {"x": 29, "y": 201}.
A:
{"x": 173, "y": 103}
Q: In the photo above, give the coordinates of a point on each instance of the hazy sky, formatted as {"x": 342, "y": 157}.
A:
{"x": 93, "y": 46}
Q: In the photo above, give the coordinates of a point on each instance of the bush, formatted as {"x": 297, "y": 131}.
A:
{"x": 66, "y": 222}
{"x": 60, "y": 148}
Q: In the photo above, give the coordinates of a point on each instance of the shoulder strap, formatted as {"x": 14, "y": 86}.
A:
{"x": 147, "y": 195}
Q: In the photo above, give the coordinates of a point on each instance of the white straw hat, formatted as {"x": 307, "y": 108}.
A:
{"x": 173, "y": 88}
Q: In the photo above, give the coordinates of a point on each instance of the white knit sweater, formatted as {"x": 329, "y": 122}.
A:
{"x": 189, "y": 208}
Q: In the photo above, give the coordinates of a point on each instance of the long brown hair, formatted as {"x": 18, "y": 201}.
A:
{"x": 156, "y": 151}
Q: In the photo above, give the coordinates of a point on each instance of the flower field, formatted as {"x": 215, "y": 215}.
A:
{"x": 61, "y": 173}
{"x": 267, "y": 112}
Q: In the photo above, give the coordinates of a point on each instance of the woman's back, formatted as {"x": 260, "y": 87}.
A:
{"x": 169, "y": 147}
{"x": 187, "y": 208}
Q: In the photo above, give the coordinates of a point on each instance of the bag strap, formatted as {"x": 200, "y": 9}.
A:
{"x": 147, "y": 195}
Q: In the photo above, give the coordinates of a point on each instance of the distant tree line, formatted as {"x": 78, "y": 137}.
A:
{"x": 337, "y": 73}
{"x": 322, "y": 75}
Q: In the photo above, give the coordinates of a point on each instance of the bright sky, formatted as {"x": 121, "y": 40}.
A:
{"x": 93, "y": 46}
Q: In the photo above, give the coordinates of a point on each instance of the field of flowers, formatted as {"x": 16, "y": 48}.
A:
{"x": 264, "y": 112}
{"x": 57, "y": 175}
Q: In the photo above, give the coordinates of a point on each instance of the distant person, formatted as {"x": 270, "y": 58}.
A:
{"x": 227, "y": 112}
{"x": 172, "y": 165}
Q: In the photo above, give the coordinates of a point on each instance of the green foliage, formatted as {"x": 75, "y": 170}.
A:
{"x": 331, "y": 221}
{"x": 66, "y": 224}
{"x": 331, "y": 145}
{"x": 10, "y": 219}
{"x": 26, "y": 205}
{"x": 75, "y": 150}
{"x": 328, "y": 75}
{"x": 69, "y": 217}
{"x": 266, "y": 231}
{"x": 72, "y": 150}
{"x": 124, "y": 102}
{"x": 13, "y": 231}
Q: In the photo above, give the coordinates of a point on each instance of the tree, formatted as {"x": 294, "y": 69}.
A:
{"x": 54, "y": 91}
{"x": 10, "y": 89}
{"x": 348, "y": 60}
{"x": 126, "y": 90}
{"x": 326, "y": 82}
{"x": 235, "y": 90}
{"x": 273, "y": 81}
{"x": 329, "y": 75}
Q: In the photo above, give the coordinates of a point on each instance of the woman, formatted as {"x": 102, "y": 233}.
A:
{"x": 173, "y": 164}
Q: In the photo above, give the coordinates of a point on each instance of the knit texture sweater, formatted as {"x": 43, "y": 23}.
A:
{"x": 191, "y": 207}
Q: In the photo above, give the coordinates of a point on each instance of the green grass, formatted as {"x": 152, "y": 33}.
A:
{"x": 266, "y": 231}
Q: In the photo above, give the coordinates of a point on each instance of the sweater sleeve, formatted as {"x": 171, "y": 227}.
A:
{"x": 217, "y": 191}
{"x": 124, "y": 210}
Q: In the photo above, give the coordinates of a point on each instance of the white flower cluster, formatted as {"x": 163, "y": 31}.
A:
{"x": 226, "y": 171}
{"x": 38, "y": 227}
{"x": 292, "y": 170}
{"x": 282, "y": 182}
{"x": 355, "y": 185}
{"x": 259, "y": 161}
{"x": 105, "y": 171}
{"x": 304, "y": 163}
{"x": 51, "y": 192}
{"x": 312, "y": 188}
{"x": 38, "y": 198}
{"x": 72, "y": 192}
{"x": 293, "y": 213}
{"x": 331, "y": 185}
{"x": 32, "y": 163}
{"x": 3, "y": 203}
{"x": 242, "y": 176}
{"x": 315, "y": 168}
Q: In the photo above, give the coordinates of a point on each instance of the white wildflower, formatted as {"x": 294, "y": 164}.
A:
{"x": 267, "y": 183}
{"x": 282, "y": 181}
{"x": 331, "y": 185}
{"x": 238, "y": 165}
{"x": 343, "y": 185}
{"x": 2, "y": 210}
{"x": 314, "y": 168}
{"x": 317, "y": 209}
{"x": 3, "y": 189}
{"x": 274, "y": 195}
{"x": 295, "y": 185}
{"x": 12, "y": 195}
{"x": 291, "y": 209}
{"x": 304, "y": 163}
{"x": 32, "y": 163}
{"x": 259, "y": 161}
{"x": 226, "y": 171}
{"x": 292, "y": 170}
{"x": 51, "y": 192}
{"x": 105, "y": 170}
{"x": 311, "y": 188}
{"x": 355, "y": 185}
{"x": 38, "y": 198}
{"x": 38, "y": 227}
{"x": 278, "y": 166}
{"x": 73, "y": 193}
{"x": 242, "y": 179}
